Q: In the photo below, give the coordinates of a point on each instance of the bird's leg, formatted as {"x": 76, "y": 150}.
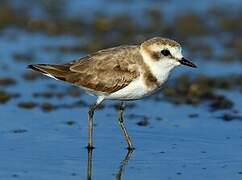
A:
{"x": 121, "y": 123}
{"x": 90, "y": 125}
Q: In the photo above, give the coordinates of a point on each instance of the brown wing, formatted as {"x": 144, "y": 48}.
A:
{"x": 105, "y": 71}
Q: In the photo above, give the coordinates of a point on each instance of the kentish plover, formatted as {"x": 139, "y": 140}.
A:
{"x": 120, "y": 73}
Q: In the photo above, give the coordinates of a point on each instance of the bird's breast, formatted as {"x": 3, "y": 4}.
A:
{"x": 137, "y": 89}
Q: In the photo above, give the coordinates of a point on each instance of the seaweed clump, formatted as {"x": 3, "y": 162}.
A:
{"x": 4, "y": 97}
{"x": 194, "y": 91}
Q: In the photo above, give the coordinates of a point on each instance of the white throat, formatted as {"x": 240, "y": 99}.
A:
{"x": 160, "y": 69}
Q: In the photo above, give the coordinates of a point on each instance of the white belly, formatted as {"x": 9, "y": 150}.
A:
{"x": 135, "y": 90}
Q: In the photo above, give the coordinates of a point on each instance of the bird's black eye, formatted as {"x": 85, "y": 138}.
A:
{"x": 165, "y": 52}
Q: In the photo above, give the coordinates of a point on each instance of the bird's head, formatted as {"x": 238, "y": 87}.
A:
{"x": 164, "y": 52}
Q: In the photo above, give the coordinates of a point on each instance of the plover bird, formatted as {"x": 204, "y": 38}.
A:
{"x": 121, "y": 73}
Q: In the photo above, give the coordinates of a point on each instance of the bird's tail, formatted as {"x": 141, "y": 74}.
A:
{"x": 55, "y": 71}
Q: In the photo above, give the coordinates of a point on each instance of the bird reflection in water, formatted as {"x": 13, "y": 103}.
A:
{"x": 123, "y": 163}
{"x": 120, "y": 172}
{"x": 89, "y": 164}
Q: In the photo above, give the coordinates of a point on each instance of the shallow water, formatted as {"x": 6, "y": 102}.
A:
{"x": 171, "y": 141}
{"x": 171, "y": 148}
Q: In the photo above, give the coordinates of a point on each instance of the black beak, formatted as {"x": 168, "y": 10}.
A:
{"x": 187, "y": 62}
